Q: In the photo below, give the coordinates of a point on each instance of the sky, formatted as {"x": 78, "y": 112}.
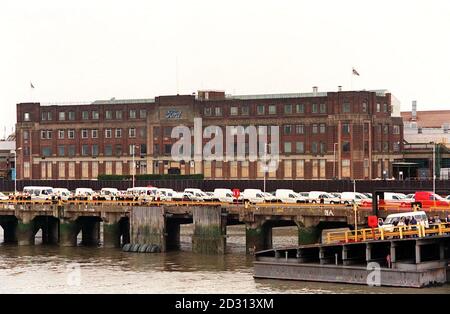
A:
{"x": 81, "y": 51}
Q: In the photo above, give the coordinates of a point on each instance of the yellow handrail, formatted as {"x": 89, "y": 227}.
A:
{"x": 399, "y": 232}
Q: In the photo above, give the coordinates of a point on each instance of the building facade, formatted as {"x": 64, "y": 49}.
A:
{"x": 323, "y": 135}
{"x": 427, "y": 144}
{"x": 7, "y": 157}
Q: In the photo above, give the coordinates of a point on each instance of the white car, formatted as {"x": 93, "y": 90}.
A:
{"x": 39, "y": 192}
{"x": 224, "y": 195}
{"x": 270, "y": 198}
{"x": 323, "y": 198}
{"x": 169, "y": 195}
{"x": 84, "y": 192}
{"x": 3, "y": 197}
{"x": 109, "y": 193}
{"x": 253, "y": 196}
{"x": 348, "y": 198}
{"x": 197, "y": 195}
{"x": 289, "y": 196}
{"x": 62, "y": 193}
{"x": 420, "y": 216}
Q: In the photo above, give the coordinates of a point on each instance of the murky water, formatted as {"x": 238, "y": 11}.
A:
{"x": 51, "y": 269}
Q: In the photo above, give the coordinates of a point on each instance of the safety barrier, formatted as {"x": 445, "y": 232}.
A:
{"x": 399, "y": 232}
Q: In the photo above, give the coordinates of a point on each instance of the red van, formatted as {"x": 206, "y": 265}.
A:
{"x": 429, "y": 199}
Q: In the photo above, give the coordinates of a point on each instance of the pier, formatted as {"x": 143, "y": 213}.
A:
{"x": 158, "y": 224}
{"x": 413, "y": 258}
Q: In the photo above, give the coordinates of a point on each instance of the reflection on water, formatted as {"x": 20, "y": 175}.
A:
{"x": 46, "y": 269}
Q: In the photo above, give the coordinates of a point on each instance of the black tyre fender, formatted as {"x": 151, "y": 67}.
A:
{"x": 135, "y": 248}
{"x": 143, "y": 248}
{"x": 126, "y": 247}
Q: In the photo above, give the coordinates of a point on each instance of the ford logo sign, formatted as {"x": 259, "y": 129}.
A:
{"x": 173, "y": 114}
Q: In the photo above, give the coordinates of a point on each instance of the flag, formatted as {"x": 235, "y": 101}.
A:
{"x": 31, "y": 85}
{"x": 355, "y": 72}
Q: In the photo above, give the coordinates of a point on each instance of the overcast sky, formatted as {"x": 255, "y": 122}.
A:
{"x": 87, "y": 50}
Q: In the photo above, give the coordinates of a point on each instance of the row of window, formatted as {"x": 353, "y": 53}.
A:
{"x": 88, "y": 133}
{"x": 93, "y": 150}
{"x": 89, "y": 115}
{"x": 287, "y": 109}
{"x": 68, "y": 170}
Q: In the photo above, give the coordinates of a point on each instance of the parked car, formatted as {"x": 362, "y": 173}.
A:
{"x": 348, "y": 198}
{"x": 197, "y": 195}
{"x": 166, "y": 194}
{"x": 253, "y": 196}
{"x": 109, "y": 194}
{"x": 289, "y": 196}
{"x": 3, "y": 197}
{"x": 224, "y": 195}
{"x": 390, "y": 221}
{"x": 323, "y": 198}
{"x": 143, "y": 193}
{"x": 39, "y": 192}
{"x": 429, "y": 199}
{"x": 62, "y": 193}
{"x": 86, "y": 193}
{"x": 270, "y": 198}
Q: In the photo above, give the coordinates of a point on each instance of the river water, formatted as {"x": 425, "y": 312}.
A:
{"x": 53, "y": 269}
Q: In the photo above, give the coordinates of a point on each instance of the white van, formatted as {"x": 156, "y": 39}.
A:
{"x": 253, "y": 196}
{"x": 323, "y": 198}
{"x": 420, "y": 216}
{"x": 224, "y": 195}
{"x": 39, "y": 192}
{"x": 84, "y": 192}
{"x": 109, "y": 193}
{"x": 63, "y": 193}
{"x": 289, "y": 196}
{"x": 169, "y": 195}
{"x": 197, "y": 195}
{"x": 348, "y": 198}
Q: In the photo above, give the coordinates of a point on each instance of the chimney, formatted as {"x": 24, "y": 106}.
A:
{"x": 339, "y": 88}
{"x": 315, "y": 89}
{"x": 414, "y": 111}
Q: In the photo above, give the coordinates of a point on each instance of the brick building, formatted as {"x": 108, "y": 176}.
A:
{"x": 323, "y": 135}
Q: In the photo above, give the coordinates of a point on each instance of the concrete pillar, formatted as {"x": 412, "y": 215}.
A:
{"x": 210, "y": 230}
{"x": 90, "y": 233}
{"x": 418, "y": 254}
{"x": 147, "y": 226}
{"x": 345, "y": 256}
{"x": 111, "y": 235}
{"x": 441, "y": 250}
{"x": 308, "y": 235}
{"x": 368, "y": 252}
{"x": 68, "y": 232}
{"x": 25, "y": 232}
{"x": 258, "y": 238}
{"x": 322, "y": 256}
{"x": 393, "y": 252}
